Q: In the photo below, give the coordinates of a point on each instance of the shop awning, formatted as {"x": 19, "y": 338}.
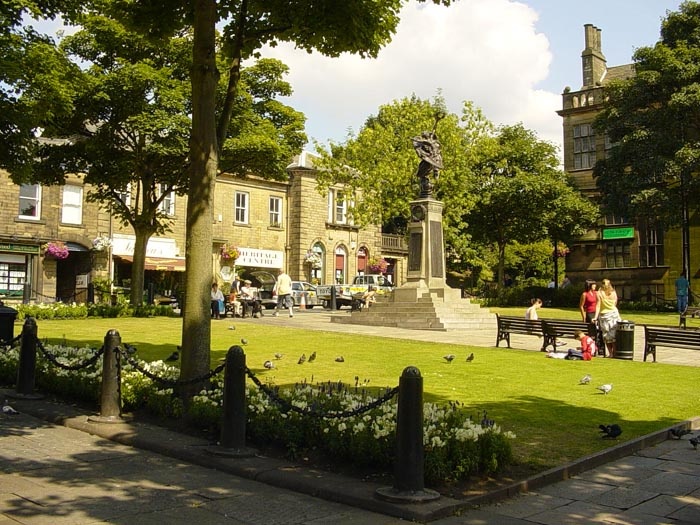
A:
{"x": 162, "y": 264}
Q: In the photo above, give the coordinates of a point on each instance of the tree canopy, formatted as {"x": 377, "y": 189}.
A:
{"x": 653, "y": 123}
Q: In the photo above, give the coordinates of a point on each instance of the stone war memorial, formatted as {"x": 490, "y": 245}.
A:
{"x": 424, "y": 301}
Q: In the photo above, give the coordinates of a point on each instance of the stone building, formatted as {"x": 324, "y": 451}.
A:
{"x": 642, "y": 261}
{"x": 274, "y": 225}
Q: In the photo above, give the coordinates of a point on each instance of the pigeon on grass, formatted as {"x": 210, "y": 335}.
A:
{"x": 312, "y": 357}
{"x": 302, "y": 359}
{"x": 244, "y": 341}
{"x": 470, "y": 357}
{"x": 605, "y": 388}
{"x": 610, "y": 431}
{"x": 269, "y": 365}
{"x": 449, "y": 357}
{"x": 340, "y": 359}
{"x": 174, "y": 356}
{"x": 279, "y": 356}
{"x": 585, "y": 379}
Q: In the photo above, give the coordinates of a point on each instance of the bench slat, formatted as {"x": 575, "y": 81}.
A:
{"x": 667, "y": 336}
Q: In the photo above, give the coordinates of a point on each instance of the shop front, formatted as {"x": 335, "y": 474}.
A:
{"x": 163, "y": 271}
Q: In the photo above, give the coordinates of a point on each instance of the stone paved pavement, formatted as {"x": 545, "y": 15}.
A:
{"x": 77, "y": 472}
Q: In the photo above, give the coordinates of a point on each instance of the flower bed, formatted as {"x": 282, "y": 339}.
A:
{"x": 455, "y": 446}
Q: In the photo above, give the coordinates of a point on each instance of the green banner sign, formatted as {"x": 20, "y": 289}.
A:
{"x": 19, "y": 248}
{"x": 618, "y": 233}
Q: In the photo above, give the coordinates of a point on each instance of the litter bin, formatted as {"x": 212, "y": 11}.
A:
{"x": 7, "y": 323}
{"x": 624, "y": 340}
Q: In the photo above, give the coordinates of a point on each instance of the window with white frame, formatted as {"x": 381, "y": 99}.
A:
{"x": 124, "y": 195}
{"x": 337, "y": 207}
{"x": 167, "y": 205}
{"x": 72, "y": 207}
{"x": 30, "y": 201}
{"x": 276, "y": 212}
{"x": 241, "y": 207}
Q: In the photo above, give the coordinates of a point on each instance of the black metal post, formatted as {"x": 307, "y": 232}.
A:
{"x": 233, "y": 417}
{"x": 234, "y": 409}
{"x": 110, "y": 400}
{"x": 333, "y": 293}
{"x": 26, "y": 371}
{"x": 408, "y": 470}
{"x": 409, "y": 482}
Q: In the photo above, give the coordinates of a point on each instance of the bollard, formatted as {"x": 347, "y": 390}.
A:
{"x": 233, "y": 418}
{"x": 409, "y": 483}
{"x": 110, "y": 402}
{"x": 26, "y": 371}
{"x": 333, "y": 302}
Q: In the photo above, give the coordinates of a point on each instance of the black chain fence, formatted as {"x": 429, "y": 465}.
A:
{"x": 8, "y": 345}
{"x": 314, "y": 412}
{"x": 85, "y": 364}
{"x": 164, "y": 381}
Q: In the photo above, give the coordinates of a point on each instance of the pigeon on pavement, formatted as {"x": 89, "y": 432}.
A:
{"x": 605, "y": 388}
{"x": 678, "y": 433}
{"x": 7, "y": 409}
{"x": 302, "y": 359}
{"x": 340, "y": 359}
{"x": 269, "y": 365}
{"x": 695, "y": 441}
{"x": 610, "y": 431}
{"x": 173, "y": 357}
{"x": 470, "y": 357}
{"x": 449, "y": 357}
{"x": 312, "y": 357}
{"x": 585, "y": 379}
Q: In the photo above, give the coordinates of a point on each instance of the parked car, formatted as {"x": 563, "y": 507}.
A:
{"x": 309, "y": 291}
{"x": 264, "y": 282}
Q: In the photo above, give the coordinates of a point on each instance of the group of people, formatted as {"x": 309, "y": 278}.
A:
{"x": 599, "y": 305}
{"x": 245, "y": 301}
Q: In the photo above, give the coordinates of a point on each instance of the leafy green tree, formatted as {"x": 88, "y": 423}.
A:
{"x": 523, "y": 196}
{"x": 652, "y": 120}
{"x": 130, "y": 127}
{"x": 379, "y": 165}
{"x": 327, "y": 26}
{"x": 30, "y": 63}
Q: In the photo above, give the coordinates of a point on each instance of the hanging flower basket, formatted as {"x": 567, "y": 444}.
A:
{"x": 101, "y": 243}
{"x": 378, "y": 265}
{"x": 313, "y": 259}
{"x": 55, "y": 250}
{"x": 229, "y": 252}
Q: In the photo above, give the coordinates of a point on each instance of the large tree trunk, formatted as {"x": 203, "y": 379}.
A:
{"x": 196, "y": 327}
{"x": 138, "y": 265}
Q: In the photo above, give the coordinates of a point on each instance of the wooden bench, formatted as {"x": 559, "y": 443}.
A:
{"x": 668, "y": 336}
{"x": 554, "y": 328}
{"x": 508, "y": 324}
{"x": 690, "y": 311}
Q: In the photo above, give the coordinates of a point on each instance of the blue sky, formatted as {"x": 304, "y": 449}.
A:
{"x": 511, "y": 58}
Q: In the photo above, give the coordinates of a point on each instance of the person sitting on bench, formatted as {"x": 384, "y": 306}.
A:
{"x": 252, "y": 306}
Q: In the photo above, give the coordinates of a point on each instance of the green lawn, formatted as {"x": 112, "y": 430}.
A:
{"x": 556, "y": 419}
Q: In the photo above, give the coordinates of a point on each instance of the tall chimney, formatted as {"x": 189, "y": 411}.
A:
{"x": 592, "y": 58}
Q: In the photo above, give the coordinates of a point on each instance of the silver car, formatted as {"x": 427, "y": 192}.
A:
{"x": 308, "y": 290}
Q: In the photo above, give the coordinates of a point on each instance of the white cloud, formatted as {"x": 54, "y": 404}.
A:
{"x": 486, "y": 51}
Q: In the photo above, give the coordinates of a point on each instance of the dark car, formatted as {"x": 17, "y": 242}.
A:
{"x": 265, "y": 283}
